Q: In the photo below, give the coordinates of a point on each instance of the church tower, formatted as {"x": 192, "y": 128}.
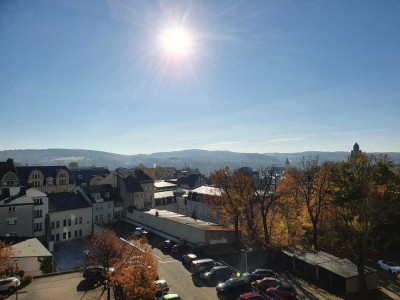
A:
{"x": 356, "y": 150}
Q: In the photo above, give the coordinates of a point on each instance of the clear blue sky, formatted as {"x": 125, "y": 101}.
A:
{"x": 262, "y": 76}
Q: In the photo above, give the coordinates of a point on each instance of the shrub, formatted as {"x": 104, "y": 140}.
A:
{"x": 26, "y": 280}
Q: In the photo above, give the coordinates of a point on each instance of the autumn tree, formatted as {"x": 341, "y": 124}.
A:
{"x": 266, "y": 197}
{"x": 136, "y": 272}
{"x": 311, "y": 185}
{"x": 120, "y": 260}
{"x": 6, "y": 256}
{"x": 234, "y": 197}
{"x": 367, "y": 193}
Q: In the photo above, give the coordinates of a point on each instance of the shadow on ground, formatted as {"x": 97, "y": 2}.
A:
{"x": 87, "y": 285}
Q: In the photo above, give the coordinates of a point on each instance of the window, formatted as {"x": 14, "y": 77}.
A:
{"x": 52, "y": 238}
{"x": 9, "y": 182}
{"x": 76, "y": 221}
{"x": 109, "y": 216}
{"x": 96, "y": 219}
{"x": 80, "y": 232}
{"x": 57, "y": 237}
{"x": 12, "y": 221}
{"x": 38, "y": 227}
{"x": 97, "y": 207}
{"x": 101, "y": 206}
{"x": 65, "y": 223}
{"x": 109, "y": 204}
{"x": 101, "y": 217}
{"x": 57, "y": 224}
{"x": 80, "y": 220}
{"x": 11, "y": 209}
{"x": 69, "y": 222}
{"x": 38, "y": 213}
{"x": 38, "y": 201}
{"x": 52, "y": 225}
{"x": 69, "y": 234}
{"x": 64, "y": 235}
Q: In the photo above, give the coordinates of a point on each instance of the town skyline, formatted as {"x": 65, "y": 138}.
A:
{"x": 145, "y": 77}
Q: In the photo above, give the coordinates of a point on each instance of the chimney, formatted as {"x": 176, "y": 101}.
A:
{"x": 5, "y": 193}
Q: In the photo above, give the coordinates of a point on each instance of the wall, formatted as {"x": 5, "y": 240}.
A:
{"x": 86, "y": 226}
{"x": 30, "y": 265}
{"x": 24, "y": 215}
{"x": 353, "y": 284}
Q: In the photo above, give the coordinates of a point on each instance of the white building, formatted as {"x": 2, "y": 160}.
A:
{"x": 28, "y": 255}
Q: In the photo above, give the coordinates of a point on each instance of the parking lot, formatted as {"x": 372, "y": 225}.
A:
{"x": 70, "y": 256}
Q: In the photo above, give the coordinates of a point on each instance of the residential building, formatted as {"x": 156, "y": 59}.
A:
{"x": 168, "y": 196}
{"x": 136, "y": 189}
{"x": 89, "y": 176}
{"x": 48, "y": 179}
{"x": 197, "y": 203}
{"x": 29, "y": 254}
{"x": 106, "y": 204}
{"x": 191, "y": 181}
{"x": 16, "y": 213}
{"x": 8, "y": 173}
{"x": 70, "y": 216}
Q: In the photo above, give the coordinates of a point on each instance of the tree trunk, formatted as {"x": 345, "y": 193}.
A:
{"x": 315, "y": 236}
{"x": 236, "y": 224}
{"x": 360, "y": 268}
{"x": 265, "y": 226}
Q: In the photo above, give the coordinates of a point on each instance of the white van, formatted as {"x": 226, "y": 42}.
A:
{"x": 202, "y": 265}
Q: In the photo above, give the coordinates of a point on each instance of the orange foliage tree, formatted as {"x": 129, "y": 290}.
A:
{"x": 6, "y": 257}
{"x": 310, "y": 185}
{"x": 122, "y": 261}
{"x": 232, "y": 205}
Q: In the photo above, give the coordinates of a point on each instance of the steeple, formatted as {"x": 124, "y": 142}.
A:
{"x": 356, "y": 150}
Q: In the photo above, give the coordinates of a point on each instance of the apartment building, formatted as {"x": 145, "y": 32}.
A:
{"x": 48, "y": 179}
{"x": 70, "y": 216}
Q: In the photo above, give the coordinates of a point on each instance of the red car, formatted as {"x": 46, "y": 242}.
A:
{"x": 283, "y": 291}
{"x": 252, "y": 296}
{"x": 264, "y": 284}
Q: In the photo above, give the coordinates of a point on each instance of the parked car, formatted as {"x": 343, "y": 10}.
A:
{"x": 264, "y": 284}
{"x": 170, "y": 297}
{"x": 282, "y": 291}
{"x": 180, "y": 249}
{"x": 188, "y": 258}
{"x": 9, "y": 284}
{"x": 237, "y": 285}
{"x": 162, "y": 287}
{"x": 201, "y": 265}
{"x": 253, "y": 296}
{"x": 95, "y": 272}
{"x": 389, "y": 266}
{"x": 168, "y": 244}
{"x": 217, "y": 274}
{"x": 259, "y": 274}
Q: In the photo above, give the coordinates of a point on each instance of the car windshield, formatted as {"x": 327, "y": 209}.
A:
{"x": 392, "y": 264}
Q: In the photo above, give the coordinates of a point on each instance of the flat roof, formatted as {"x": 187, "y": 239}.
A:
{"x": 165, "y": 194}
{"x": 163, "y": 184}
{"x": 340, "y": 266}
{"x": 207, "y": 190}
{"x": 203, "y": 225}
{"x": 30, "y": 248}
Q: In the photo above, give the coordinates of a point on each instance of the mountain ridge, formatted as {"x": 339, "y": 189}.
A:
{"x": 206, "y": 161}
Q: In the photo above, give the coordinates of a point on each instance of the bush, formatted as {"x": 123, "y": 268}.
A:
{"x": 26, "y": 280}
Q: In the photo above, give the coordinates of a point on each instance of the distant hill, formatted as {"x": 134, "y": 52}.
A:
{"x": 205, "y": 161}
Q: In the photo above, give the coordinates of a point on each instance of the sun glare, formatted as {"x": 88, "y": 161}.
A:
{"x": 177, "y": 42}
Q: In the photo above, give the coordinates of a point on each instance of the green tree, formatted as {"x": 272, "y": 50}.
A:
{"x": 46, "y": 264}
{"x": 73, "y": 165}
{"x": 367, "y": 193}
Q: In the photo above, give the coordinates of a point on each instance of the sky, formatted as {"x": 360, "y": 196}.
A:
{"x": 250, "y": 76}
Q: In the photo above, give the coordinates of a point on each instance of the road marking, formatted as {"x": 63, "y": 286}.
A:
{"x": 168, "y": 261}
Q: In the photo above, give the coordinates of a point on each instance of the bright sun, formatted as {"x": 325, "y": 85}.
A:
{"x": 177, "y": 42}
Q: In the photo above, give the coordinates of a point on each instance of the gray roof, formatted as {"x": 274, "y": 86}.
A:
{"x": 66, "y": 201}
{"x": 203, "y": 225}
{"x": 340, "y": 266}
{"x": 30, "y": 248}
